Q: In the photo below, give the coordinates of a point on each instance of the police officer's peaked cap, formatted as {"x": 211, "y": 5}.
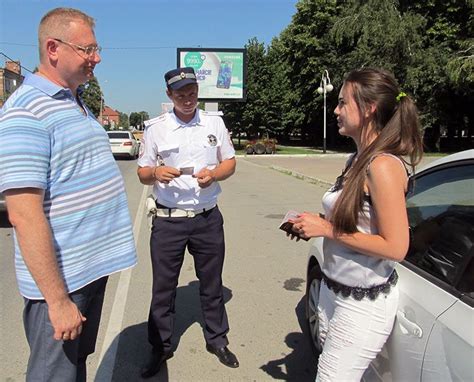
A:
{"x": 177, "y": 78}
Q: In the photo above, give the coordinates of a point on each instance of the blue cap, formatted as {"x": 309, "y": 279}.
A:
{"x": 177, "y": 78}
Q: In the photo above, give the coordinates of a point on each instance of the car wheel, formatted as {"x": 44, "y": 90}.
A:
{"x": 259, "y": 148}
{"x": 312, "y": 300}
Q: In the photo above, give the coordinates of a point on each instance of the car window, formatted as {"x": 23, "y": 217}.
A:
{"x": 118, "y": 135}
{"x": 441, "y": 214}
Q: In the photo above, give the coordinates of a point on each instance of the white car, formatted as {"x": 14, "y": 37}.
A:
{"x": 123, "y": 143}
{"x": 433, "y": 334}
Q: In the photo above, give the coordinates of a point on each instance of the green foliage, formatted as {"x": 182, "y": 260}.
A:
{"x": 427, "y": 44}
{"x": 137, "y": 118}
{"x": 92, "y": 96}
{"x": 123, "y": 120}
{"x": 251, "y": 116}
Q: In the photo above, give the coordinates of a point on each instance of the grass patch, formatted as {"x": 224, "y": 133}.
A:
{"x": 287, "y": 150}
{"x": 284, "y": 150}
{"x": 439, "y": 155}
{"x": 290, "y": 150}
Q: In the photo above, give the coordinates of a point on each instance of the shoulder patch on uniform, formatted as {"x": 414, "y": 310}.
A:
{"x": 212, "y": 113}
{"x": 160, "y": 118}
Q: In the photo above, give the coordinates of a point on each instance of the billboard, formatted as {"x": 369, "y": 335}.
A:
{"x": 221, "y": 73}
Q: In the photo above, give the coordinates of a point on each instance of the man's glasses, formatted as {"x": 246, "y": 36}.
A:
{"x": 89, "y": 51}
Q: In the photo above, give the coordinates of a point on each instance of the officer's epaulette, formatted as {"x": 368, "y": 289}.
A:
{"x": 212, "y": 113}
{"x": 150, "y": 122}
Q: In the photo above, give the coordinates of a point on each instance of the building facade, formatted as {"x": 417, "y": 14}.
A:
{"x": 10, "y": 79}
{"x": 109, "y": 117}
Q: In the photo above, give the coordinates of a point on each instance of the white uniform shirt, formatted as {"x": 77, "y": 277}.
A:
{"x": 203, "y": 142}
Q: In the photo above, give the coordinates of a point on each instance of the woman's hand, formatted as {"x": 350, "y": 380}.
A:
{"x": 308, "y": 225}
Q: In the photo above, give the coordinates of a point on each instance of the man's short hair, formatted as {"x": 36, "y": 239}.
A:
{"x": 56, "y": 23}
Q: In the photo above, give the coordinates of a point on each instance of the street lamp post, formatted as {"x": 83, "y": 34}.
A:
{"x": 101, "y": 110}
{"x": 325, "y": 86}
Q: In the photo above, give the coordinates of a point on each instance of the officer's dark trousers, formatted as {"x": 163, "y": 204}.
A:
{"x": 203, "y": 235}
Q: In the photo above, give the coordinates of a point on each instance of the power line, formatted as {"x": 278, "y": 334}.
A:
{"x": 104, "y": 47}
{"x": 14, "y": 43}
{"x": 11, "y": 59}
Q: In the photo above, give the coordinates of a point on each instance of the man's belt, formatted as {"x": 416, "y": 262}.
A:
{"x": 154, "y": 209}
{"x": 179, "y": 213}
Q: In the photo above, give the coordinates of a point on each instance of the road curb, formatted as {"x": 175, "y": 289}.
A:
{"x": 301, "y": 176}
{"x": 318, "y": 155}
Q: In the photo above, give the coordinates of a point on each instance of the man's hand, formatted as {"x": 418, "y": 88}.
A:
{"x": 25, "y": 210}
{"x": 165, "y": 174}
{"x": 205, "y": 177}
{"x": 66, "y": 320}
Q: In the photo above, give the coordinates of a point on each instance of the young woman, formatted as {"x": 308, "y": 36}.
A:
{"x": 365, "y": 228}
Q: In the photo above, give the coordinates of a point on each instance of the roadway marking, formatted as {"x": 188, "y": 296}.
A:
{"x": 106, "y": 361}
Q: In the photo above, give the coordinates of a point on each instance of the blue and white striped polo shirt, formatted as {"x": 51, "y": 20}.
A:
{"x": 46, "y": 142}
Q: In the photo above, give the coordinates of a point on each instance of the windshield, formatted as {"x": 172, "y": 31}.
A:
{"x": 119, "y": 135}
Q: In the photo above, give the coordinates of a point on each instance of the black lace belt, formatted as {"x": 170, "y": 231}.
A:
{"x": 359, "y": 293}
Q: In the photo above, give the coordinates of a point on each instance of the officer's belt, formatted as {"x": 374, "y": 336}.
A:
{"x": 179, "y": 213}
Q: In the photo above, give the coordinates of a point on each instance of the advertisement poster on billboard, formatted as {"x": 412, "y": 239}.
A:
{"x": 221, "y": 73}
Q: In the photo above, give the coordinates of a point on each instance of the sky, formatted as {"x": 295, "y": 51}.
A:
{"x": 140, "y": 38}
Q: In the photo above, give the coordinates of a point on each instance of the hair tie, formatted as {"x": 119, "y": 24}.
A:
{"x": 400, "y": 96}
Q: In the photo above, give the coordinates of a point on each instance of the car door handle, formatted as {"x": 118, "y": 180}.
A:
{"x": 408, "y": 327}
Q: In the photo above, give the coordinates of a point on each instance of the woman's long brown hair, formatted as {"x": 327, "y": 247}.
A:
{"x": 395, "y": 121}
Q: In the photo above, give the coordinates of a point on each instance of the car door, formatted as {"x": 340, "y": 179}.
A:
{"x": 433, "y": 334}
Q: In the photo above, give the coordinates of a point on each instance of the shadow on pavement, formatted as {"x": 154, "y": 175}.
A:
{"x": 300, "y": 364}
{"x": 133, "y": 348}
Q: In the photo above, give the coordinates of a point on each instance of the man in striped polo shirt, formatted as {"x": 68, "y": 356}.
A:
{"x": 65, "y": 198}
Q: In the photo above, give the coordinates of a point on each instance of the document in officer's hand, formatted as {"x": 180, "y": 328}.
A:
{"x": 287, "y": 224}
{"x": 186, "y": 170}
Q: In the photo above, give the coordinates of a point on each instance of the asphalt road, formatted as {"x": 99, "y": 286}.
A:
{"x": 264, "y": 278}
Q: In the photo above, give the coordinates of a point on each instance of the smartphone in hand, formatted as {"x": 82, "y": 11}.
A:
{"x": 287, "y": 224}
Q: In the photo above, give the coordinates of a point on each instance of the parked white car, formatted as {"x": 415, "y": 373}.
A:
{"x": 433, "y": 334}
{"x": 123, "y": 143}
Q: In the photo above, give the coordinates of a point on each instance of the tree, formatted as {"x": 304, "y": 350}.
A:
{"x": 278, "y": 91}
{"x": 137, "y": 119}
{"x": 446, "y": 96}
{"x": 427, "y": 44}
{"x": 92, "y": 96}
{"x": 251, "y": 117}
{"x": 123, "y": 120}
{"x": 308, "y": 50}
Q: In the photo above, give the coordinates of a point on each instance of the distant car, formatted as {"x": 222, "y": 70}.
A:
{"x": 123, "y": 143}
{"x": 433, "y": 334}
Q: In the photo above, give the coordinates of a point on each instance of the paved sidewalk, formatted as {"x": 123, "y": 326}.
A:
{"x": 320, "y": 168}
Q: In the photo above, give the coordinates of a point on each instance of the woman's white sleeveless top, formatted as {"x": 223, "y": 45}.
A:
{"x": 346, "y": 265}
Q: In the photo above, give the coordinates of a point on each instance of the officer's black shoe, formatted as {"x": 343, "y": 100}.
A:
{"x": 225, "y": 355}
{"x": 153, "y": 365}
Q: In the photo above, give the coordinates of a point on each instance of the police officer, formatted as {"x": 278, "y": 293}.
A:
{"x": 186, "y": 153}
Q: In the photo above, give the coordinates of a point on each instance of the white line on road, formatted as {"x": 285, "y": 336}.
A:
{"x": 108, "y": 352}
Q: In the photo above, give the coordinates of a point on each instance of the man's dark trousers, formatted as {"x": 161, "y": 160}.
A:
{"x": 56, "y": 361}
{"x": 203, "y": 235}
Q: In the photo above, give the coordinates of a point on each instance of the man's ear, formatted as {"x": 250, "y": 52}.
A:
{"x": 52, "y": 48}
{"x": 168, "y": 93}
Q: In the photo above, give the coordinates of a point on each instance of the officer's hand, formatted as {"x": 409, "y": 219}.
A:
{"x": 165, "y": 174}
{"x": 205, "y": 177}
